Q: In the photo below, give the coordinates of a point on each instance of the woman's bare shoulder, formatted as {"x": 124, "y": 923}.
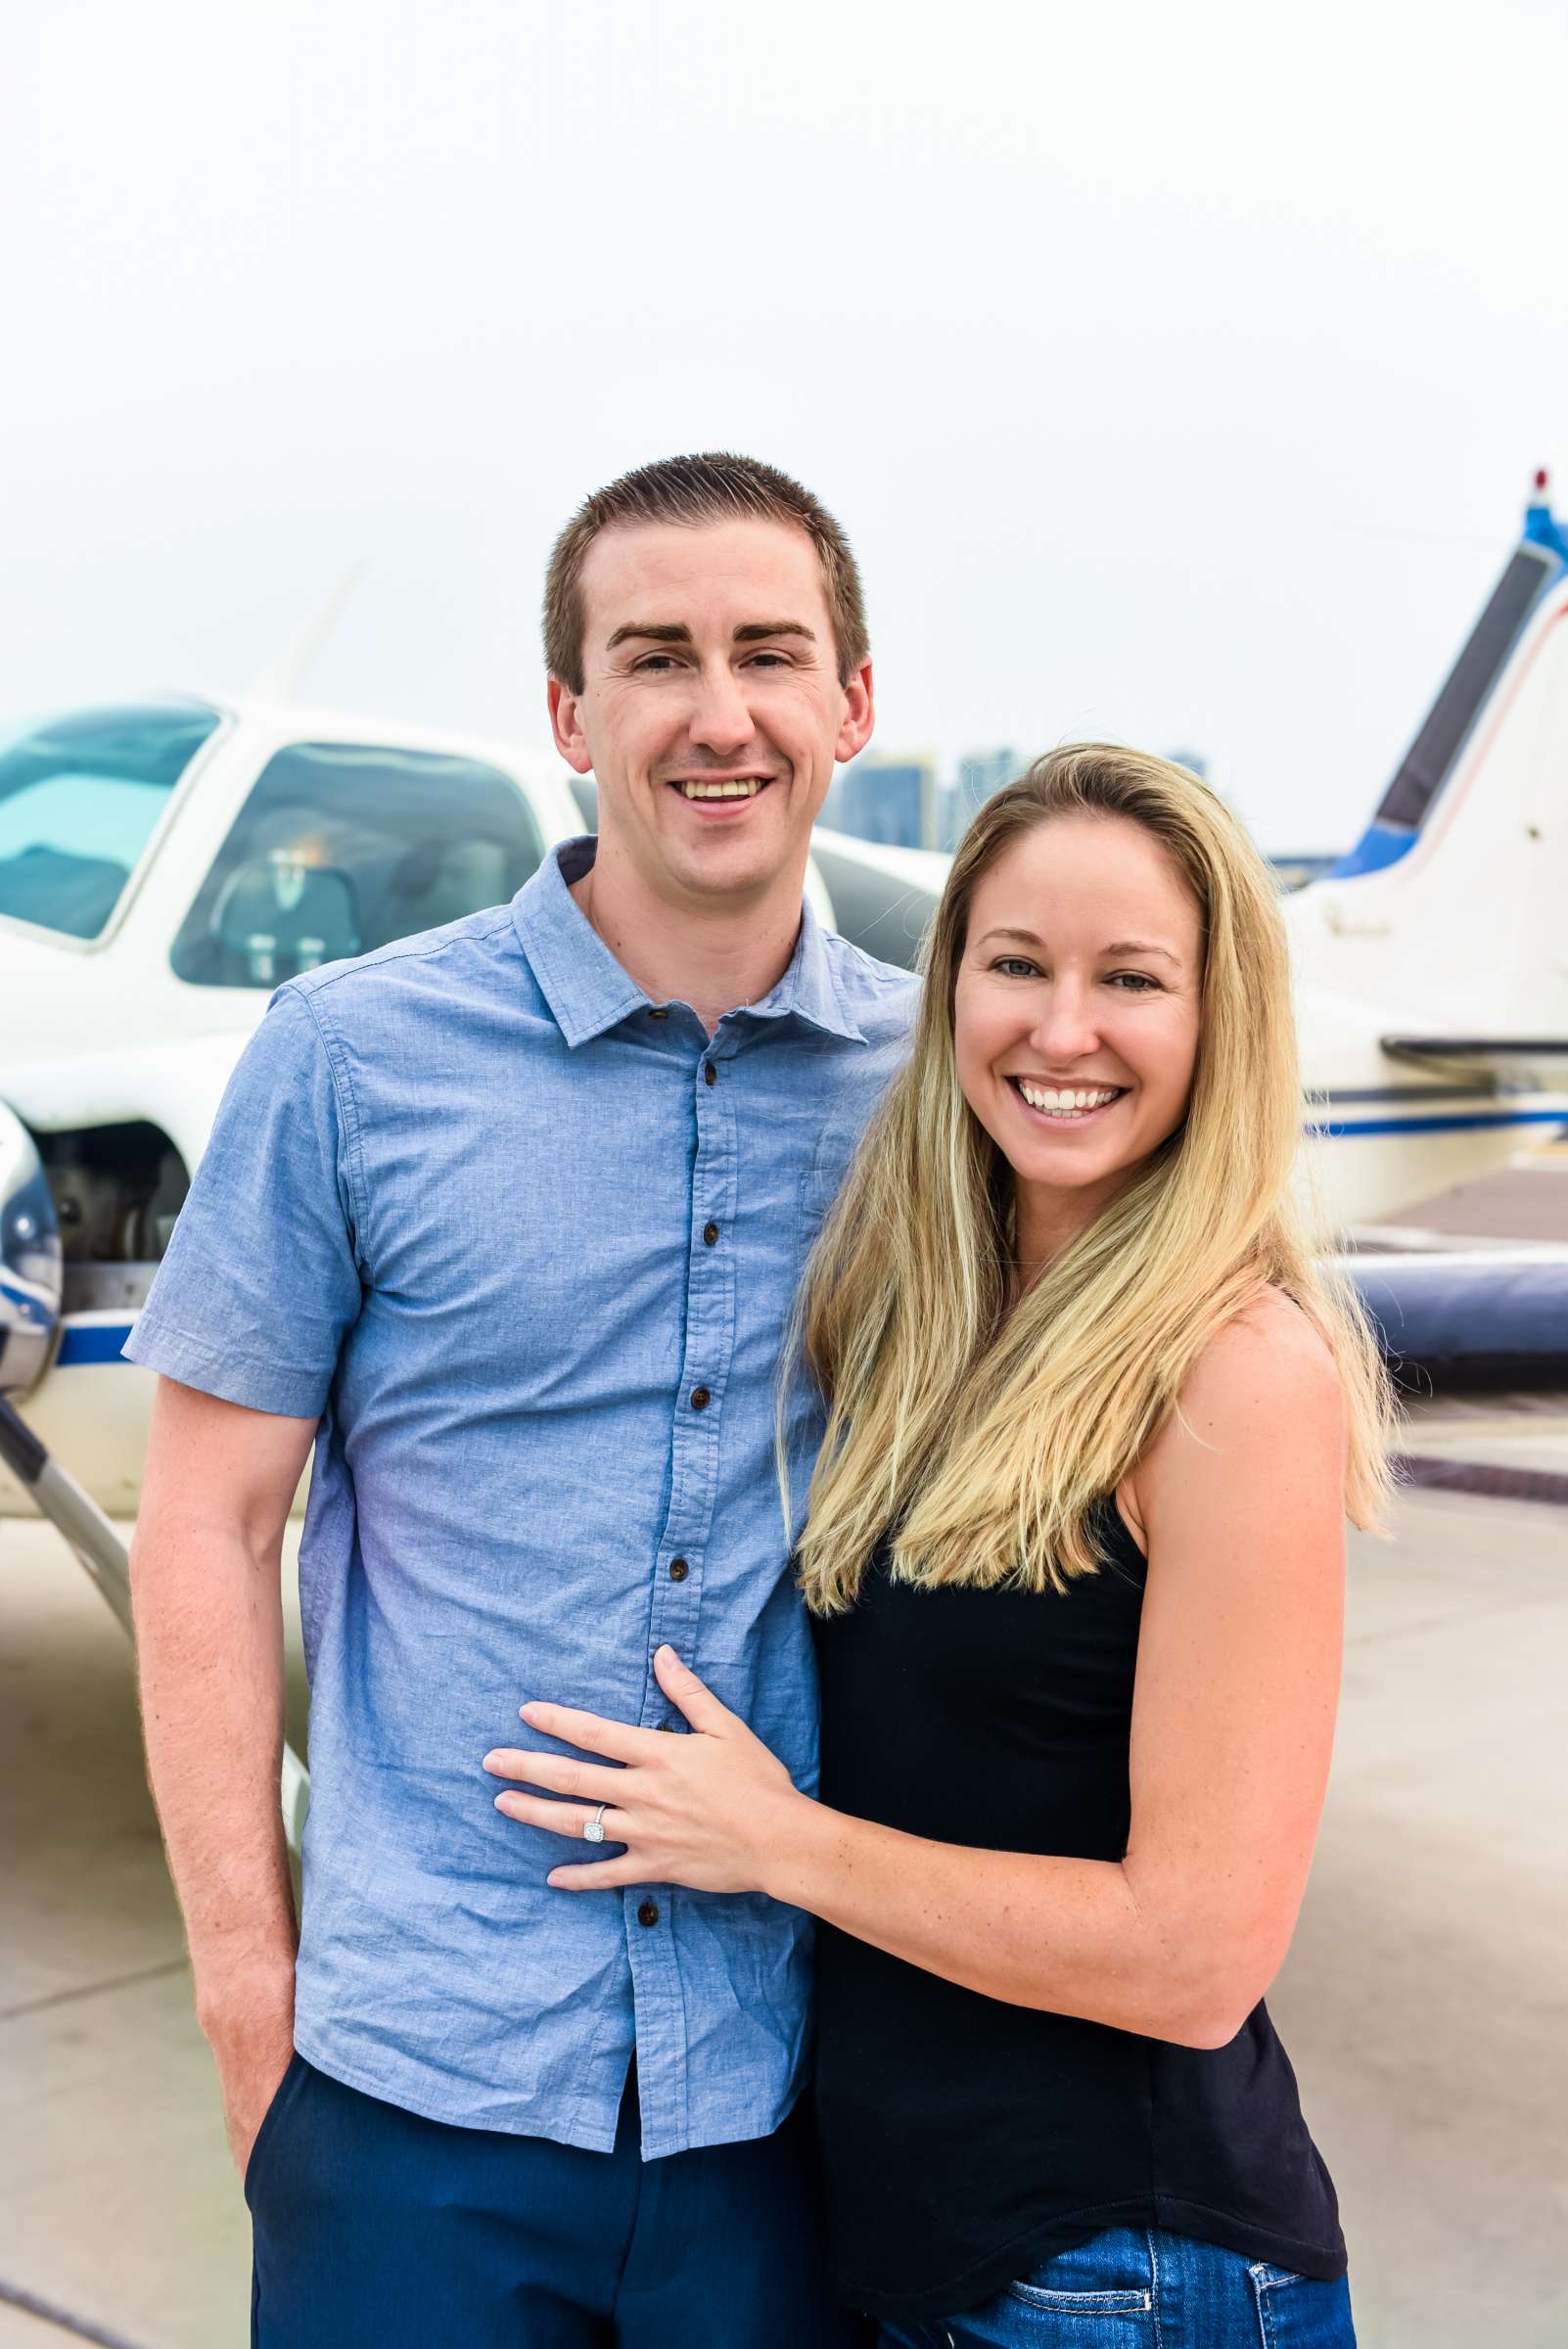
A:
{"x": 1264, "y": 1377}
{"x": 1268, "y": 1353}
{"x": 1262, "y": 1418}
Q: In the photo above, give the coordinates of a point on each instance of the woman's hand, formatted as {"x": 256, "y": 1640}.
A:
{"x": 706, "y": 1810}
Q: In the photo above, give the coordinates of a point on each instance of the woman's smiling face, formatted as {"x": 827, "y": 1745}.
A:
{"x": 1077, "y": 1012}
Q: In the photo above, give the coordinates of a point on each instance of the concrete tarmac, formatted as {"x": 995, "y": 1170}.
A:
{"x": 1424, "y": 2002}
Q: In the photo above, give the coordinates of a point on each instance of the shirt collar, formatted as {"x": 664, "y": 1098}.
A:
{"x": 587, "y": 991}
{"x": 811, "y": 987}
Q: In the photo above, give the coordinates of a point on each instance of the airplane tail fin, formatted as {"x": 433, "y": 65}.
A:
{"x": 1454, "y": 902}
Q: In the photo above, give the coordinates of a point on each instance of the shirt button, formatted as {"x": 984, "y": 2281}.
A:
{"x": 658, "y": 1011}
{"x": 700, "y": 1399}
{"x": 678, "y": 1570}
{"x": 710, "y": 1234}
{"x": 647, "y": 1913}
{"x": 710, "y": 1073}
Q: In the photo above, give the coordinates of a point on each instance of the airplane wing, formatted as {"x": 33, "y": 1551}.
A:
{"x": 1538, "y": 1063}
{"x": 176, "y": 1085}
{"x": 883, "y": 897}
{"x": 1468, "y": 1316}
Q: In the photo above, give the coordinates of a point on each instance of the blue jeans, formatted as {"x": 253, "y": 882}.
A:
{"x": 374, "y": 2225}
{"x": 1138, "y": 2288}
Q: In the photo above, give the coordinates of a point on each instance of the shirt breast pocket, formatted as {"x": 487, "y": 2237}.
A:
{"x": 823, "y": 1178}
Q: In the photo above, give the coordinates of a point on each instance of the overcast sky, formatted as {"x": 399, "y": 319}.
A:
{"x": 1176, "y": 371}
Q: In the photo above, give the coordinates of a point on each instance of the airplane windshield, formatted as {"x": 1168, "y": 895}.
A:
{"x": 343, "y": 846}
{"x": 79, "y": 796}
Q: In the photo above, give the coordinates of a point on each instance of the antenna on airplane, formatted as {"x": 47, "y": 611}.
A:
{"x": 1541, "y": 527}
{"x": 279, "y": 679}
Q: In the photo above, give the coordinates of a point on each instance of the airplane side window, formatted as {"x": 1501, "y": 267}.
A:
{"x": 344, "y": 846}
{"x": 80, "y": 797}
{"x": 1431, "y": 756}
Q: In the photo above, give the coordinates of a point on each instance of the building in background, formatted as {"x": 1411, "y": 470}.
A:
{"x": 904, "y": 803}
{"x": 892, "y": 800}
{"x": 980, "y": 774}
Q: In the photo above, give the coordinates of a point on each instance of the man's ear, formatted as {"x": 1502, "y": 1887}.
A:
{"x": 566, "y": 725}
{"x": 860, "y": 715}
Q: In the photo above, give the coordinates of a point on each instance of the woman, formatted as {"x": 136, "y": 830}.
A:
{"x": 1075, "y": 1554}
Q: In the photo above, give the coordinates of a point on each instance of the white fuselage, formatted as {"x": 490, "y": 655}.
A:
{"x": 104, "y": 1034}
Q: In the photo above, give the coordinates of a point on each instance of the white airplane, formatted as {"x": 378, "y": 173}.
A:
{"x": 1432, "y": 962}
{"x": 164, "y": 864}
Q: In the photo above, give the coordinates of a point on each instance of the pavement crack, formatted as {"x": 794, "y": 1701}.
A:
{"x": 93, "y": 1990}
{"x": 1496, "y": 1480}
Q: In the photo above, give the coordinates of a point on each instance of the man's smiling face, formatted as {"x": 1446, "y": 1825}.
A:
{"x": 711, "y": 710}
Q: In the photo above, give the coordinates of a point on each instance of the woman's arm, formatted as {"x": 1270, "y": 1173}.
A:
{"x": 1232, "y": 1722}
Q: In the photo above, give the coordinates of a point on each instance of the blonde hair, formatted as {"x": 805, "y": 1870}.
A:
{"x": 983, "y": 1433}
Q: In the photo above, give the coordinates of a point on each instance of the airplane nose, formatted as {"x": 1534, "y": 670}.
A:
{"x": 31, "y": 1267}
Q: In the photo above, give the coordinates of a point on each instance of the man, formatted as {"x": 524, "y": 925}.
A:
{"x": 507, "y": 1220}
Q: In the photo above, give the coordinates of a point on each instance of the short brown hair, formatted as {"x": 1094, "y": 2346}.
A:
{"x": 715, "y": 487}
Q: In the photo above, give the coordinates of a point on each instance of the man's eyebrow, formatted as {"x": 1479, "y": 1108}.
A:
{"x": 1118, "y": 946}
{"x": 656, "y": 632}
{"x": 755, "y": 632}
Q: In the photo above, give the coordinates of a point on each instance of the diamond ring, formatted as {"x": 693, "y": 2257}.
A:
{"x": 593, "y": 1828}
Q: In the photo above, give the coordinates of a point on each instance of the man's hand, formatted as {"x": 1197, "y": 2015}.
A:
{"x": 250, "y": 2027}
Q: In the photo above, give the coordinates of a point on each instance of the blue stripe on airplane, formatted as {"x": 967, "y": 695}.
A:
{"x": 90, "y": 1341}
{"x": 1380, "y": 845}
{"x": 1334, "y": 1128}
{"x": 97, "y": 1341}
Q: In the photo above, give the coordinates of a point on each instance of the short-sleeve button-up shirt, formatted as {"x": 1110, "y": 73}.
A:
{"x": 527, "y": 1243}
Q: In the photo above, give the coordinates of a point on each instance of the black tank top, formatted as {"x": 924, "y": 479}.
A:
{"x": 965, "y": 2140}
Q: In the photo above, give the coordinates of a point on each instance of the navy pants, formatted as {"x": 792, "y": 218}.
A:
{"x": 372, "y": 2225}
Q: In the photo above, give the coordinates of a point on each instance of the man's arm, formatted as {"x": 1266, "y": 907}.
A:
{"x": 207, "y": 1597}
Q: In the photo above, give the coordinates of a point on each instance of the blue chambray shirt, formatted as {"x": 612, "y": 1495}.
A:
{"x": 528, "y": 1244}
